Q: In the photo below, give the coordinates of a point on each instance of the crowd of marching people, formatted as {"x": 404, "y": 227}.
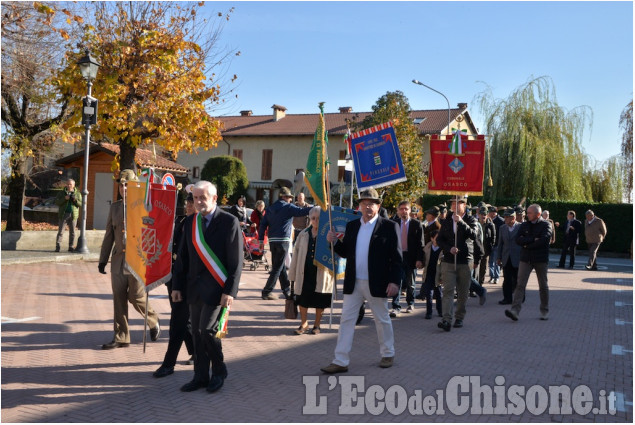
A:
{"x": 441, "y": 257}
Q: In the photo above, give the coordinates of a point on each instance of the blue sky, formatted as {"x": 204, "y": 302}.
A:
{"x": 297, "y": 54}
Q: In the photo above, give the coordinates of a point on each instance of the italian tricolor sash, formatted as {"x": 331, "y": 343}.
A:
{"x": 206, "y": 254}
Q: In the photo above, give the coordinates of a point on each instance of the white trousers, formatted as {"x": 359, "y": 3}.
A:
{"x": 350, "y": 310}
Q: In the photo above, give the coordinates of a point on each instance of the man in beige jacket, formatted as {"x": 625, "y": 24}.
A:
{"x": 595, "y": 232}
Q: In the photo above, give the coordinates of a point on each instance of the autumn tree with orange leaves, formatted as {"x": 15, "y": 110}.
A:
{"x": 159, "y": 78}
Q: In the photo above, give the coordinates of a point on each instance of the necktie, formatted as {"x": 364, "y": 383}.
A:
{"x": 404, "y": 236}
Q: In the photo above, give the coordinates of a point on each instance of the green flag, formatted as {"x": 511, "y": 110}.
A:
{"x": 316, "y": 164}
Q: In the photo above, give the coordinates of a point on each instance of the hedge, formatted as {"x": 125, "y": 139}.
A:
{"x": 617, "y": 217}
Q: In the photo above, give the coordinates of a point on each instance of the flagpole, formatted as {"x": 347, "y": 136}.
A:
{"x": 328, "y": 207}
{"x": 456, "y": 232}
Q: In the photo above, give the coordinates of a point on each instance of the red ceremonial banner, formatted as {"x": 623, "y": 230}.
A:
{"x": 456, "y": 173}
{"x": 149, "y": 228}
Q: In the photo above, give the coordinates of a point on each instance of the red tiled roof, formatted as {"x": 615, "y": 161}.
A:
{"x": 143, "y": 157}
{"x": 435, "y": 121}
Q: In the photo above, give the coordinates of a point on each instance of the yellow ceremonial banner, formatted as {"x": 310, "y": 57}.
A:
{"x": 149, "y": 230}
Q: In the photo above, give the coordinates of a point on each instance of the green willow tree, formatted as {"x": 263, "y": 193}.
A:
{"x": 394, "y": 106}
{"x": 535, "y": 143}
{"x": 626, "y": 124}
{"x": 605, "y": 180}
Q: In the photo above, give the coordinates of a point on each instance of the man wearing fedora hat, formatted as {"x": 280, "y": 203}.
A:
{"x": 277, "y": 223}
{"x": 456, "y": 238}
{"x": 431, "y": 223}
{"x": 125, "y": 287}
{"x": 373, "y": 273}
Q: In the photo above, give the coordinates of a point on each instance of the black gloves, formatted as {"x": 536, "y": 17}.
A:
{"x": 102, "y": 268}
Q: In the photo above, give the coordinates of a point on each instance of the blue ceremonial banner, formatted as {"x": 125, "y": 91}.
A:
{"x": 376, "y": 157}
{"x": 340, "y": 217}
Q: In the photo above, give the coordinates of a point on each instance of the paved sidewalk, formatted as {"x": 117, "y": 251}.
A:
{"x": 55, "y": 316}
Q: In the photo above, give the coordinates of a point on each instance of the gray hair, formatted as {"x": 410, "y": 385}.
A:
{"x": 315, "y": 209}
{"x": 536, "y": 208}
{"x": 259, "y": 203}
{"x": 70, "y": 180}
{"x": 208, "y": 187}
{"x": 589, "y": 212}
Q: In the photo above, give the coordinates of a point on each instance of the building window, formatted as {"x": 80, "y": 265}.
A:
{"x": 267, "y": 163}
{"x": 238, "y": 153}
{"x": 196, "y": 172}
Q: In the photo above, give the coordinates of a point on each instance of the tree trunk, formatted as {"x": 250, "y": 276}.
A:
{"x": 127, "y": 155}
{"x": 16, "y": 196}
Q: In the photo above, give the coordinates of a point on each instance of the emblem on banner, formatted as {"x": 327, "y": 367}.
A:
{"x": 149, "y": 243}
{"x": 456, "y": 165}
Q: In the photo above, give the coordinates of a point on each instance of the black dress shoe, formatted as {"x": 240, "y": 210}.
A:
{"x": 458, "y": 323}
{"x": 155, "y": 332}
{"x": 163, "y": 371}
{"x": 215, "y": 384}
{"x": 504, "y": 302}
{"x": 193, "y": 386}
{"x": 114, "y": 344}
{"x": 446, "y": 326}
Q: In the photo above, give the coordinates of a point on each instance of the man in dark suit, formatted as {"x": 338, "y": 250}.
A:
{"x": 456, "y": 238}
{"x": 508, "y": 254}
{"x": 209, "y": 264}
{"x": 572, "y": 230}
{"x": 533, "y": 236}
{"x": 411, "y": 240}
{"x": 373, "y": 272}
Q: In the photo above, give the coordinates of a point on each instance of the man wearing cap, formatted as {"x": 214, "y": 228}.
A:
{"x": 595, "y": 232}
{"x": 278, "y": 219}
{"x": 508, "y": 254}
{"x": 533, "y": 236}
{"x": 373, "y": 273}
{"x": 431, "y": 223}
{"x": 494, "y": 268}
{"x": 125, "y": 287}
{"x": 411, "y": 240}
{"x": 456, "y": 238}
{"x": 443, "y": 212}
{"x": 572, "y": 230}
{"x": 520, "y": 213}
{"x": 489, "y": 241}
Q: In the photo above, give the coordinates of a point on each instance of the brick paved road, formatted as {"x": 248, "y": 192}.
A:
{"x": 55, "y": 316}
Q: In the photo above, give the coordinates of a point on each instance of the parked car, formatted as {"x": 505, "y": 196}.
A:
{"x": 48, "y": 205}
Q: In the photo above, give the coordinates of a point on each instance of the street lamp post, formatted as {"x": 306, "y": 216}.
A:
{"x": 437, "y": 91}
{"x": 88, "y": 67}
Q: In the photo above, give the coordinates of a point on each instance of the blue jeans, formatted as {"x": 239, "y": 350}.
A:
{"x": 278, "y": 270}
{"x": 475, "y": 286}
{"x": 494, "y": 269}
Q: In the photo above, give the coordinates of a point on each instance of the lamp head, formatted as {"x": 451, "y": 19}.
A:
{"x": 88, "y": 66}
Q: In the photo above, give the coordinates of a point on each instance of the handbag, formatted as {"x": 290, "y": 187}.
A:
{"x": 290, "y": 308}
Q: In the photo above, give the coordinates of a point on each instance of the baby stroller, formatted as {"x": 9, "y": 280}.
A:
{"x": 252, "y": 251}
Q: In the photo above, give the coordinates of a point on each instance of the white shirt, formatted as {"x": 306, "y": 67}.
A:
{"x": 362, "y": 245}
